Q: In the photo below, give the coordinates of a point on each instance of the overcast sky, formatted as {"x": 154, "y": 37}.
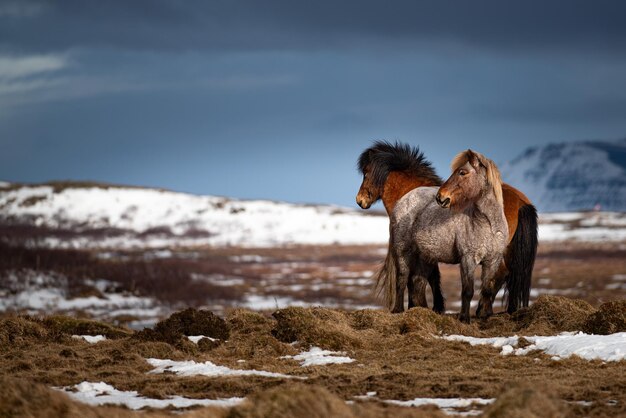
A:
{"x": 276, "y": 99}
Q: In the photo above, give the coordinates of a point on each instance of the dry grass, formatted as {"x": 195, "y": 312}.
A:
{"x": 610, "y": 318}
{"x": 526, "y": 401}
{"x": 397, "y": 355}
{"x": 550, "y": 314}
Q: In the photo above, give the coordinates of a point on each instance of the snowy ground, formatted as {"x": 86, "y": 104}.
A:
{"x": 103, "y": 394}
{"x": 589, "y": 347}
{"x": 35, "y": 292}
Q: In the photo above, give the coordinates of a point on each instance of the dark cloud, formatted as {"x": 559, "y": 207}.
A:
{"x": 322, "y": 24}
{"x": 225, "y": 96}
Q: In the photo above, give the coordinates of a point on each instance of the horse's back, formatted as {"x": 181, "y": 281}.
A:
{"x": 411, "y": 204}
{"x": 417, "y": 219}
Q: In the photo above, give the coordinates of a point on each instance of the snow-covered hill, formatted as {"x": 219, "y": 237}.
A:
{"x": 91, "y": 216}
{"x": 572, "y": 176}
{"x": 134, "y": 217}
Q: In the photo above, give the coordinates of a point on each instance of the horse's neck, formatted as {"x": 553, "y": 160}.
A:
{"x": 489, "y": 208}
{"x": 398, "y": 184}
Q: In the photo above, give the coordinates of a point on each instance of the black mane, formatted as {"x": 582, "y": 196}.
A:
{"x": 385, "y": 157}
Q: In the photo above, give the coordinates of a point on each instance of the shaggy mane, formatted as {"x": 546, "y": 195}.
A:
{"x": 384, "y": 157}
{"x": 493, "y": 174}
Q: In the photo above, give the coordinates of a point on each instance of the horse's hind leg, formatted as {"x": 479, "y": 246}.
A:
{"x": 490, "y": 275}
{"x": 403, "y": 269}
{"x": 468, "y": 265}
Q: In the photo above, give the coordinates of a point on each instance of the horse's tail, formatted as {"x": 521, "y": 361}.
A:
{"x": 385, "y": 280}
{"x": 522, "y": 258}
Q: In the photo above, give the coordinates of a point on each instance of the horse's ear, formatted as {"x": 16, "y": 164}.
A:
{"x": 473, "y": 159}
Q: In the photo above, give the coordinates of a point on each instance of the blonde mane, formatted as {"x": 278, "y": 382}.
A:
{"x": 493, "y": 174}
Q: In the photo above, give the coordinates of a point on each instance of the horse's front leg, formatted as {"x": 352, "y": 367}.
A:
{"x": 498, "y": 281}
{"x": 468, "y": 265}
{"x": 492, "y": 270}
{"x": 417, "y": 297}
{"x": 434, "y": 279}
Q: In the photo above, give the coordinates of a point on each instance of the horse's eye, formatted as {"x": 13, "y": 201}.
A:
{"x": 462, "y": 172}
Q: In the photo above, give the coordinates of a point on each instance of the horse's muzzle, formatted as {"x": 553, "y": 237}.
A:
{"x": 445, "y": 203}
{"x": 362, "y": 203}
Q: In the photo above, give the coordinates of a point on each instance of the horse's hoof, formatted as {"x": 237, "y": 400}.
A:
{"x": 397, "y": 310}
{"x": 439, "y": 310}
{"x": 464, "y": 318}
{"x": 479, "y": 309}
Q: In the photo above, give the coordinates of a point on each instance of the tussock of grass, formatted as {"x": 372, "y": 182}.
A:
{"x": 18, "y": 330}
{"x": 22, "y": 329}
{"x": 293, "y": 400}
{"x": 610, "y": 318}
{"x": 326, "y": 328}
{"x": 188, "y": 322}
{"x": 251, "y": 337}
{"x": 526, "y": 401}
{"x": 75, "y": 326}
{"x": 426, "y": 323}
{"x": 551, "y": 314}
{"x": 340, "y": 330}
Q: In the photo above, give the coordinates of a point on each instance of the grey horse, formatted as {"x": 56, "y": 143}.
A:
{"x": 462, "y": 222}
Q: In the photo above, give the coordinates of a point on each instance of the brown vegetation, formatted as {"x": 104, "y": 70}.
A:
{"x": 399, "y": 356}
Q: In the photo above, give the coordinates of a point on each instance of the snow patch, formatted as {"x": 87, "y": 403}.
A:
{"x": 589, "y": 347}
{"x": 191, "y": 368}
{"x": 91, "y": 339}
{"x": 318, "y": 357}
{"x": 103, "y": 394}
{"x": 447, "y": 405}
{"x": 196, "y": 338}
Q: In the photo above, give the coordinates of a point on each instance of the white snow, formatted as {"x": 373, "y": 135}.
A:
{"x": 447, "y": 405}
{"x": 318, "y": 357}
{"x": 495, "y": 342}
{"x": 196, "y": 338}
{"x": 619, "y": 277}
{"x": 589, "y": 347}
{"x": 191, "y": 368}
{"x": 261, "y": 302}
{"x": 91, "y": 339}
{"x": 103, "y": 394}
{"x": 221, "y": 221}
{"x": 582, "y": 226}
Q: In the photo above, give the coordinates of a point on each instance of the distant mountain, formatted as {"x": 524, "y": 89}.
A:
{"x": 572, "y": 176}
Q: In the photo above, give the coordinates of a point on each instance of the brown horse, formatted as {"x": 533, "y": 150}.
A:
{"x": 392, "y": 170}
{"x": 423, "y": 231}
